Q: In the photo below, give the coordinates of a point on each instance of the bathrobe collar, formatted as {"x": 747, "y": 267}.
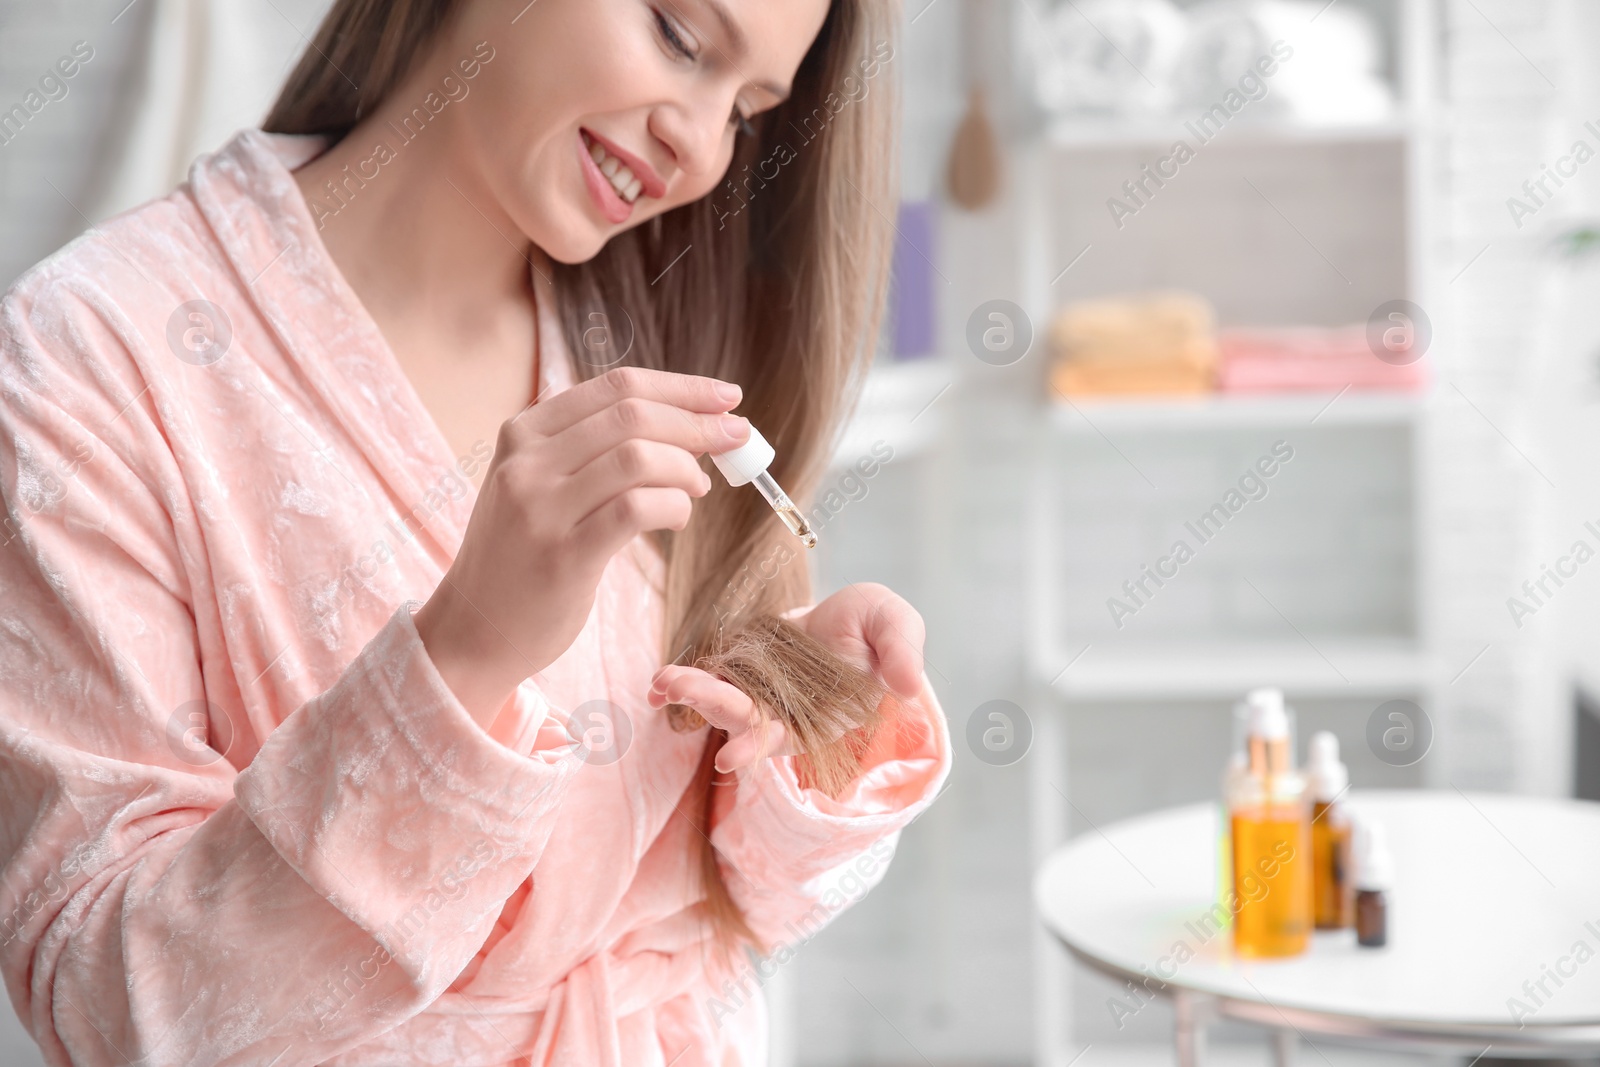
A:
{"x": 248, "y": 195}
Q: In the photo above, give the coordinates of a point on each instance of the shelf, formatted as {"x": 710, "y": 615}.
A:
{"x": 1333, "y": 668}
{"x": 1225, "y": 411}
{"x": 900, "y": 406}
{"x": 1094, "y": 132}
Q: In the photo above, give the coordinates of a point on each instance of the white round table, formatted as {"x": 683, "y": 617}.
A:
{"x": 1496, "y": 904}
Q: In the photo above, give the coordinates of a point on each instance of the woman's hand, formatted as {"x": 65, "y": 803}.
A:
{"x": 866, "y": 624}
{"x": 572, "y": 481}
{"x": 874, "y": 628}
{"x": 751, "y": 736}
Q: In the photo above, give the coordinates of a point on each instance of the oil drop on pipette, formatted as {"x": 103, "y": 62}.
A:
{"x": 748, "y": 464}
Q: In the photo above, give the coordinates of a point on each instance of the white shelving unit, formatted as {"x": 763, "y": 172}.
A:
{"x": 899, "y": 405}
{"x": 1223, "y": 671}
{"x": 1069, "y": 668}
{"x": 1105, "y": 133}
{"x": 1222, "y": 411}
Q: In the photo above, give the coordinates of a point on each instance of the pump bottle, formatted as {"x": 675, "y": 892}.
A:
{"x": 1271, "y": 823}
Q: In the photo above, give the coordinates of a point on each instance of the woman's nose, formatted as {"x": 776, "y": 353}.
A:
{"x": 695, "y": 137}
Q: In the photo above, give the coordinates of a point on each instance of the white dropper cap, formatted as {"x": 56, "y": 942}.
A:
{"x": 1328, "y": 777}
{"x": 747, "y": 462}
{"x": 1374, "y": 865}
{"x": 1268, "y": 719}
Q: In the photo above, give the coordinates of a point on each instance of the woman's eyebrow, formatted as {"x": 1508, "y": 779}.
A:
{"x": 739, "y": 45}
{"x": 731, "y": 29}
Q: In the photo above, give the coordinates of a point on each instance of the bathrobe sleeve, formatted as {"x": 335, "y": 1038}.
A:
{"x": 794, "y": 858}
{"x": 159, "y": 907}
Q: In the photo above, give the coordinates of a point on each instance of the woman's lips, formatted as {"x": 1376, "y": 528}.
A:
{"x": 615, "y": 209}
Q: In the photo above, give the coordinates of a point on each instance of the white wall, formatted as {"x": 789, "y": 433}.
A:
{"x": 62, "y": 146}
{"x": 1506, "y": 489}
{"x": 169, "y": 80}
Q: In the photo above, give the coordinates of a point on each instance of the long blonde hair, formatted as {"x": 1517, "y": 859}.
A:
{"x": 782, "y": 293}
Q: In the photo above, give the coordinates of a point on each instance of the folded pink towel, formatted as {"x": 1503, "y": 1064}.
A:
{"x": 242, "y": 818}
{"x": 1309, "y": 359}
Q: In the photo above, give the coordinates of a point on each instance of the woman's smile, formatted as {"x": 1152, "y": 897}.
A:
{"x": 616, "y": 179}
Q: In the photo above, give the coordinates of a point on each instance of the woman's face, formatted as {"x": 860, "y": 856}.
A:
{"x": 654, "y": 88}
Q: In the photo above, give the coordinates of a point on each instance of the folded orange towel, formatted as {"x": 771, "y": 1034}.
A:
{"x": 1161, "y": 343}
{"x": 1092, "y": 379}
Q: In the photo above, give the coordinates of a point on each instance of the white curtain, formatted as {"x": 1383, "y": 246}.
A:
{"x": 206, "y": 69}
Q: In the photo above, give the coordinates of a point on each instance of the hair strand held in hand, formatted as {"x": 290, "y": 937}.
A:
{"x": 830, "y": 707}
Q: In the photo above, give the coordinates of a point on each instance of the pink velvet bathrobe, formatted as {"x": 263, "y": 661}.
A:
{"x": 242, "y": 819}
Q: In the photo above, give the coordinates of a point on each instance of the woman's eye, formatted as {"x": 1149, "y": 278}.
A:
{"x": 670, "y": 35}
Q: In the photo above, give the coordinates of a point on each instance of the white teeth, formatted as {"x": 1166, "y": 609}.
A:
{"x": 622, "y": 179}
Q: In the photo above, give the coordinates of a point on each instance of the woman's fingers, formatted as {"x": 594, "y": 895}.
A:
{"x": 627, "y": 515}
{"x": 751, "y": 736}
{"x": 872, "y": 616}
{"x": 632, "y": 464}
{"x": 636, "y": 418}
{"x": 637, "y": 487}
{"x": 687, "y": 391}
{"x": 768, "y": 738}
{"x": 896, "y": 633}
{"x": 724, "y": 706}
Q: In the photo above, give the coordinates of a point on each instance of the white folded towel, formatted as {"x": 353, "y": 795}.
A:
{"x": 1333, "y": 76}
{"x": 1108, "y": 56}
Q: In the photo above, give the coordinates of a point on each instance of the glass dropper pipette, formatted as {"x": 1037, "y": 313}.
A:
{"x": 748, "y": 464}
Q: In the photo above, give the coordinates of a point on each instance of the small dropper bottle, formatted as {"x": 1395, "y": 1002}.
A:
{"x": 748, "y": 464}
{"x": 1374, "y": 878}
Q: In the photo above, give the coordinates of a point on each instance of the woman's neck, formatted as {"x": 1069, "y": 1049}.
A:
{"x": 436, "y": 262}
{"x": 411, "y": 223}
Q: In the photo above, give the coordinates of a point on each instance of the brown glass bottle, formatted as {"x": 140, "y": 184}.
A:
{"x": 1333, "y": 904}
{"x": 1328, "y": 780}
{"x": 1374, "y": 878}
{"x": 1372, "y": 918}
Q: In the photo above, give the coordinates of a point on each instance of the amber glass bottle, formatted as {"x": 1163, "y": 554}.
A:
{"x": 1328, "y": 780}
{"x": 1271, "y": 829}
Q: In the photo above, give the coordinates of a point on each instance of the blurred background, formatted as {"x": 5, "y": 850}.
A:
{"x": 1374, "y": 249}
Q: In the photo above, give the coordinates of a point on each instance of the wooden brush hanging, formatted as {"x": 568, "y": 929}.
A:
{"x": 830, "y": 707}
{"x": 972, "y": 173}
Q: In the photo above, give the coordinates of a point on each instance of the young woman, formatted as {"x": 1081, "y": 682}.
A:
{"x": 335, "y": 720}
